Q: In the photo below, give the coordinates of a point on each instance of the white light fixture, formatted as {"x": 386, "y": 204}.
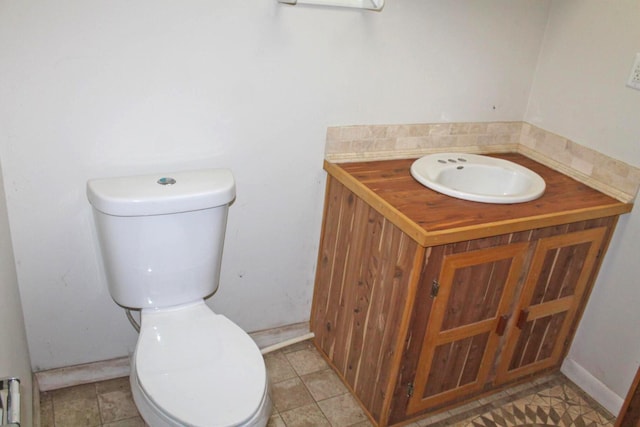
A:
{"x": 361, "y": 4}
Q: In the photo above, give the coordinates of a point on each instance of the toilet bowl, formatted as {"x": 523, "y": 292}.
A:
{"x": 192, "y": 367}
{"x": 161, "y": 239}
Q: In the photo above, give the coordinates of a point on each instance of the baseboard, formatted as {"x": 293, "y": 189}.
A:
{"x": 69, "y": 376}
{"x": 592, "y": 386}
{"x": 269, "y": 337}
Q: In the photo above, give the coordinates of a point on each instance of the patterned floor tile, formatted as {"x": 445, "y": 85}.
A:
{"x": 555, "y": 405}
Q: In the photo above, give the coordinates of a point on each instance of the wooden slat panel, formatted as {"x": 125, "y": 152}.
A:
{"x": 357, "y": 296}
{"x": 538, "y": 331}
{"x": 339, "y": 206}
{"x": 518, "y": 348}
{"x": 537, "y": 341}
{"x": 565, "y": 265}
{"x": 456, "y": 364}
{"x": 484, "y": 286}
{"x": 438, "y": 372}
{"x": 453, "y": 367}
{"x": 421, "y": 312}
{"x": 454, "y": 315}
{"x": 364, "y": 271}
{"x": 548, "y": 345}
{"x": 473, "y": 362}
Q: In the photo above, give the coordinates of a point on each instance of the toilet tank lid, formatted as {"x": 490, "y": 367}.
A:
{"x": 160, "y": 194}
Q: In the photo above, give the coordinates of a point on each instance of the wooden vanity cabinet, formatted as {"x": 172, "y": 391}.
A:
{"x": 414, "y": 329}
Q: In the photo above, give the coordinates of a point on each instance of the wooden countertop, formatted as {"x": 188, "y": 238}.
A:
{"x": 432, "y": 218}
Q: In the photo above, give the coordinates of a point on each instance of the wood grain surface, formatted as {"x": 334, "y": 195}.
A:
{"x": 432, "y": 218}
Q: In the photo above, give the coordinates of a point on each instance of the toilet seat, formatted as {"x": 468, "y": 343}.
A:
{"x": 199, "y": 367}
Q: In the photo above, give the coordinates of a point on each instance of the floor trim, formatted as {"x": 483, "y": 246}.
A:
{"x": 68, "y": 376}
{"x": 54, "y": 379}
{"x": 592, "y": 386}
{"x": 269, "y": 337}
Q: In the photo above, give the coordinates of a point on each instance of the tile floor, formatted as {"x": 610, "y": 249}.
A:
{"x": 549, "y": 401}
{"x": 106, "y": 403}
{"x": 304, "y": 389}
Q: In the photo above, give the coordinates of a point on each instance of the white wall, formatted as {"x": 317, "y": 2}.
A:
{"x": 579, "y": 92}
{"x": 102, "y": 88}
{"x": 14, "y": 354}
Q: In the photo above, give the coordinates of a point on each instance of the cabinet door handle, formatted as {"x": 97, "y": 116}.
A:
{"x": 522, "y": 318}
{"x": 502, "y": 325}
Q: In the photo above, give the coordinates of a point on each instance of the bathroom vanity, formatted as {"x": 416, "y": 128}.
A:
{"x": 423, "y": 302}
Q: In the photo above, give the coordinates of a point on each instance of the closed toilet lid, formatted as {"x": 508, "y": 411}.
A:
{"x": 199, "y": 367}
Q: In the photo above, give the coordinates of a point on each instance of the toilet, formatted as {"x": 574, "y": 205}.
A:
{"x": 161, "y": 238}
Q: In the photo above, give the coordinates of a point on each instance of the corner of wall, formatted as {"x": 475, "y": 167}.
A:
{"x": 592, "y": 386}
{"x": 14, "y": 352}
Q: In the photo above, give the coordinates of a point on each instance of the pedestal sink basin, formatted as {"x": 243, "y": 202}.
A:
{"x": 478, "y": 178}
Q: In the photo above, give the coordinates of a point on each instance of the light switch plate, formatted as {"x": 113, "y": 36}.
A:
{"x": 634, "y": 77}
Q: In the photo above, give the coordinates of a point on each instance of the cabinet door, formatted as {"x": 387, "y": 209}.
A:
{"x": 468, "y": 317}
{"x": 559, "y": 273}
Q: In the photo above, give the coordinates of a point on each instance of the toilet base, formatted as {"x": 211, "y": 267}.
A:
{"x": 155, "y": 417}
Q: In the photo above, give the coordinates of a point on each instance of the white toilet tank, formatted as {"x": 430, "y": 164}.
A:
{"x": 161, "y": 236}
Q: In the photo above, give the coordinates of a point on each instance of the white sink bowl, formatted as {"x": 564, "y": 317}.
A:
{"x": 478, "y": 178}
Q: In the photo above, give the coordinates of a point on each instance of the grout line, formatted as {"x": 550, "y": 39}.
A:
{"x": 456, "y": 415}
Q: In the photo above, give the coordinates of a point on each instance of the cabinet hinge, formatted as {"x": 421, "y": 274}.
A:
{"x": 409, "y": 389}
{"x": 435, "y": 287}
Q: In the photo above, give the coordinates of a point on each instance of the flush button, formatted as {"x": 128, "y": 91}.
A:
{"x": 166, "y": 181}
